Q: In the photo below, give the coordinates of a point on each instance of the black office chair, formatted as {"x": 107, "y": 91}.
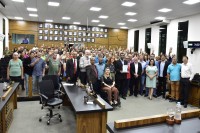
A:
{"x": 48, "y": 99}
{"x": 56, "y": 84}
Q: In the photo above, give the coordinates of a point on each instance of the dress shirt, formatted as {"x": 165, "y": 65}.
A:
{"x": 136, "y": 68}
{"x": 162, "y": 65}
{"x": 100, "y": 69}
{"x": 186, "y": 71}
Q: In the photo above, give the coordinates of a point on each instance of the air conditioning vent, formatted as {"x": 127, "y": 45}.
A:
{"x": 160, "y": 22}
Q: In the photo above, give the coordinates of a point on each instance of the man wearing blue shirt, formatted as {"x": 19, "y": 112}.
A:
{"x": 100, "y": 71}
{"x": 173, "y": 72}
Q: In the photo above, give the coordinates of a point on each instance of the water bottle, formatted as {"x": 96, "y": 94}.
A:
{"x": 178, "y": 111}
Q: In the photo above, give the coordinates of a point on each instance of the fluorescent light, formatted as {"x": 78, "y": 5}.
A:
{"x": 33, "y": 15}
{"x": 165, "y": 10}
{"x": 160, "y": 18}
{"x": 180, "y": 30}
{"x": 66, "y": 18}
{"x": 18, "y": 0}
{"x": 19, "y": 18}
{"x": 49, "y": 20}
{"x": 161, "y": 28}
{"x": 95, "y": 21}
{"x": 53, "y": 3}
{"x": 129, "y": 4}
{"x": 101, "y": 25}
{"x": 32, "y": 9}
{"x": 191, "y": 2}
{"x": 123, "y": 27}
{"x": 103, "y": 17}
{"x": 76, "y": 23}
{"x": 96, "y": 9}
{"x": 130, "y": 13}
{"x": 121, "y": 23}
{"x": 132, "y": 20}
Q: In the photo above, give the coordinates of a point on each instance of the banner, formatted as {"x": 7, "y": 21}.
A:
{"x": 2, "y": 36}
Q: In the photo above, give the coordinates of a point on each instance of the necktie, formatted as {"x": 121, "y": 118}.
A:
{"x": 74, "y": 66}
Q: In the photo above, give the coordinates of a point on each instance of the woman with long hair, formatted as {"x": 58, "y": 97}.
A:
{"x": 109, "y": 86}
{"x": 151, "y": 72}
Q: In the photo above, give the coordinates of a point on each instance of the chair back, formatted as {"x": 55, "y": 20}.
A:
{"x": 54, "y": 79}
{"x": 46, "y": 88}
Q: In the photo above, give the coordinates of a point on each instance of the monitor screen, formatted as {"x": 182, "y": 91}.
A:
{"x": 23, "y": 38}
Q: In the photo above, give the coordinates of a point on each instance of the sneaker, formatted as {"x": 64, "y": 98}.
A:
{"x": 115, "y": 102}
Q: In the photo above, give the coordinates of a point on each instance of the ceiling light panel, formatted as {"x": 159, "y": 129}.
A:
{"x": 33, "y": 15}
{"x": 53, "y": 4}
{"x": 165, "y": 10}
{"x": 130, "y": 13}
{"x": 128, "y": 4}
{"x": 132, "y": 20}
{"x": 191, "y": 2}
{"x": 18, "y": 1}
{"x": 96, "y": 9}
{"x": 103, "y": 16}
{"x": 160, "y": 18}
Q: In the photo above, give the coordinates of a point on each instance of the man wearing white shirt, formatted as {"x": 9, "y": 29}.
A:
{"x": 186, "y": 77}
{"x": 84, "y": 62}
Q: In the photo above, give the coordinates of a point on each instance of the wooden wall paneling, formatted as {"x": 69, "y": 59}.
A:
{"x": 114, "y": 37}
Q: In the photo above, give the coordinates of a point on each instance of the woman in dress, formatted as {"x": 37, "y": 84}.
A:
{"x": 109, "y": 86}
{"x": 151, "y": 72}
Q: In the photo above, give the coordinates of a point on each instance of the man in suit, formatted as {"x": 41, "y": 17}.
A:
{"x": 92, "y": 74}
{"x": 162, "y": 76}
{"x": 72, "y": 69}
{"x": 120, "y": 76}
{"x": 136, "y": 71}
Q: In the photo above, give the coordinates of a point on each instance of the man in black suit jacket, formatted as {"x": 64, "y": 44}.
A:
{"x": 162, "y": 76}
{"x": 121, "y": 77}
{"x": 92, "y": 74}
{"x": 136, "y": 71}
{"x": 72, "y": 68}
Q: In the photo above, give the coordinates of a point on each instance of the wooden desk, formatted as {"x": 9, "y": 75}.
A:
{"x": 194, "y": 95}
{"x": 7, "y": 107}
{"x": 89, "y": 118}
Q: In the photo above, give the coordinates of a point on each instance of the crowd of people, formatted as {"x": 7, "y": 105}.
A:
{"x": 103, "y": 68}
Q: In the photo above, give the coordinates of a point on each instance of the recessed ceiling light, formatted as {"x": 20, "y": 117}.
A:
{"x": 76, "y": 23}
{"x": 32, "y": 9}
{"x": 191, "y": 2}
{"x": 121, "y": 23}
{"x": 49, "y": 20}
{"x": 95, "y": 21}
{"x": 101, "y": 25}
{"x": 132, "y": 20}
{"x": 129, "y": 4}
{"x": 95, "y": 9}
{"x": 165, "y": 10}
{"x": 18, "y": 0}
{"x": 103, "y": 16}
{"x": 33, "y": 15}
{"x": 160, "y": 18}
{"x": 130, "y": 13}
{"x": 123, "y": 27}
{"x": 19, "y": 18}
{"x": 53, "y": 3}
{"x": 66, "y": 18}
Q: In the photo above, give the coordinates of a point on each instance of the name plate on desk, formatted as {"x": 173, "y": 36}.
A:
{"x": 6, "y": 93}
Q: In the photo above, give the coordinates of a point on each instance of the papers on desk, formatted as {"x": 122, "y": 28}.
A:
{"x": 68, "y": 84}
{"x": 125, "y": 69}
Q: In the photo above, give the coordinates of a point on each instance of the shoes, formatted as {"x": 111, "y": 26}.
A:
{"x": 115, "y": 102}
{"x": 135, "y": 95}
{"x": 150, "y": 98}
{"x": 124, "y": 97}
{"x": 185, "y": 106}
{"x": 182, "y": 103}
{"x": 145, "y": 95}
{"x": 155, "y": 96}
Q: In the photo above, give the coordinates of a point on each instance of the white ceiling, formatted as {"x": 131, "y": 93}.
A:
{"x": 78, "y": 10}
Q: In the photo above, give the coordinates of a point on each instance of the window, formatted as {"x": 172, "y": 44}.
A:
{"x": 147, "y": 39}
{"x": 4, "y": 32}
{"x": 136, "y": 41}
{"x": 162, "y": 39}
{"x": 182, "y": 36}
